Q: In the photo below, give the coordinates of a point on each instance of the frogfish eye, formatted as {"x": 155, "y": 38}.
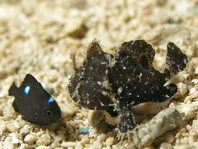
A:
{"x": 49, "y": 114}
{"x": 81, "y": 79}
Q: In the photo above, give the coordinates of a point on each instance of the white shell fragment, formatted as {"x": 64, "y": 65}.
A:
{"x": 165, "y": 121}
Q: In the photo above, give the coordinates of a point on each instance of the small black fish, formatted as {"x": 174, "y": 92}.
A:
{"x": 34, "y": 102}
{"x": 116, "y": 82}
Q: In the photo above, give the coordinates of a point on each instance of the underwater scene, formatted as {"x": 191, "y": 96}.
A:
{"x": 98, "y": 74}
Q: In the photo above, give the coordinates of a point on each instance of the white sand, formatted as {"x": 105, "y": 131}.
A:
{"x": 38, "y": 36}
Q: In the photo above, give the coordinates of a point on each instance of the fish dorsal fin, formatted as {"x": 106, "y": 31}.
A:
{"x": 31, "y": 81}
{"x": 12, "y": 90}
{"x": 175, "y": 59}
{"x": 136, "y": 49}
{"x": 94, "y": 49}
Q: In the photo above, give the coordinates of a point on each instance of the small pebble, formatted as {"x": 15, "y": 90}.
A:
{"x": 165, "y": 146}
{"x": 102, "y": 137}
{"x": 188, "y": 127}
{"x": 195, "y": 124}
{"x": 20, "y": 124}
{"x": 97, "y": 144}
{"x": 195, "y": 95}
{"x": 30, "y": 138}
{"x": 2, "y": 126}
{"x": 169, "y": 137}
{"x": 1, "y": 109}
{"x": 24, "y": 146}
{"x": 12, "y": 127}
{"x": 42, "y": 147}
{"x": 108, "y": 147}
{"x": 182, "y": 146}
{"x": 55, "y": 144}
{"x": 53, "y": 78}
{"x": 45, "y": 139}
{"x": 68, "y": 144}
{"x": 84, "y": 141}
{"x": 148, "y": 147}
{"x": 192, "y": 90}
{"x": 111, "y": 134}
{"x": 15, "y": 140}
{"x": 188, "y": 98}
{"x": 115, "y": 146}
{"x": 195, "y": 144}
{"x": 191, "y": 139}
{"x": 70, "y": 129}
{"x": 8, "y": 112}
{"x": 7, "y": 144}
{"x": 109, "y": 141}
{"x": 25, "y": 130}
{"x": 184, "y": 140}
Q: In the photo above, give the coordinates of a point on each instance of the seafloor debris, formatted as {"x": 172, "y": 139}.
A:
{"x": 163, "y": 122}
{"x": 116, "y": 82}
{"x": 34, "y": 103}
{"x": 84, "y": 130}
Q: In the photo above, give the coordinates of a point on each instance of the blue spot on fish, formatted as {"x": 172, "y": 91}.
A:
{"x": 26, "y": 90}
{"x": 51, "y": 99}
{"x": 85, "y": 130}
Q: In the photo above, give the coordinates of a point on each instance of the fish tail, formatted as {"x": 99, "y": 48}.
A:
{"x": 13, "y": 89}
{"x": 13, "y": 92}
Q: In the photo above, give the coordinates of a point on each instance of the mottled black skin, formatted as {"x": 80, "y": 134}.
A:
{"x": 139, "y": 82}
{"x": 34, "y": 106}
{"x": 131, "y": 79}
{"x": 89, "y": 93}
{"x": 175, "y": 57}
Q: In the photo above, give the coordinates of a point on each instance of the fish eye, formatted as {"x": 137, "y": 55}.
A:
{"x": 81, "y": 79}
{"x": 49, "y": 114}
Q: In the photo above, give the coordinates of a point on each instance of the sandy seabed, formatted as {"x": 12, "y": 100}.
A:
{"x": 38, "y": 37}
